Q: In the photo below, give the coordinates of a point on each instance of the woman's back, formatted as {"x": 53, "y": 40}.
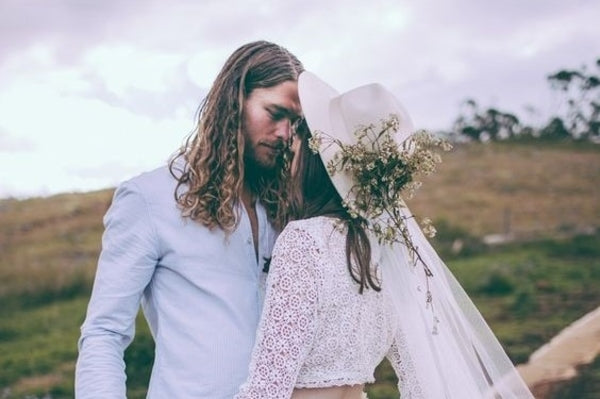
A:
{"x": 353, "y": 331}
{"x": 317, "y": 330}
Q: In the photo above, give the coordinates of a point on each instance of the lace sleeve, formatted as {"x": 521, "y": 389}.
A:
{"x": 403, "y": 365}
{"x": 287, "y": 327}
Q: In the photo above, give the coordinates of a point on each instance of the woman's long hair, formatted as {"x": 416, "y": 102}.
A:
{"x": 311, "y": 193}
{"x": 209, "y": 167}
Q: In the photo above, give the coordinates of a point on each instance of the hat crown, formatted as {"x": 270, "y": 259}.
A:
{"x": 366, "y": 105}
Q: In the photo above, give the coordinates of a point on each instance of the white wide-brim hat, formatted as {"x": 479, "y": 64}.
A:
{"x": 338, "y": 116}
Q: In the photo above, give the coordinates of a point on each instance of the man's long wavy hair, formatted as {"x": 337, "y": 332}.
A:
{"x": 211, "y": 176}
{"x": 311, "y": 193}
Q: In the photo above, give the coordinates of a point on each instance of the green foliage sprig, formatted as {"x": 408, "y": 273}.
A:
{"x": 384, "y": 173}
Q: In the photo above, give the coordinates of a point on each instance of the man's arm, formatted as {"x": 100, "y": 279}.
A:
{"x": 126, "y": 265}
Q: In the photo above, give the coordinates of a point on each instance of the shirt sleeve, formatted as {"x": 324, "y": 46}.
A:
{"x": 403, "y": 366}
{"x": 127, "y": 261}
{"x": 289, "y": 319}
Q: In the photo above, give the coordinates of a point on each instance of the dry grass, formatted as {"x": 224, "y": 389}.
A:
{"x": 540, "y": 190}
{"x": 45, "y": 383}
{"x": 51, "y": 244}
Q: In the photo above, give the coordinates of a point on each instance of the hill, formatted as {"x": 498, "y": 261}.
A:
{"x": 544, "y": 193}
{"x": 529, "y": 190}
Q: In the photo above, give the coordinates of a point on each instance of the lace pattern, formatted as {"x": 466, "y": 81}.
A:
{"x": 400, "y": 359}
{"x": 316, "y": 330}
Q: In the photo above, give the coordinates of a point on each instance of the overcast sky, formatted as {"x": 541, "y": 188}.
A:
{"x": 94, "y": 92}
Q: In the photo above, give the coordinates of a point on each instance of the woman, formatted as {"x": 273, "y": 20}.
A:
{"x": 337, "y": 303}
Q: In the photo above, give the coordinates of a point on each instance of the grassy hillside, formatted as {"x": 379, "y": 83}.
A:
{"x": 542, "y": 188}
{"x": 528, "y": 292}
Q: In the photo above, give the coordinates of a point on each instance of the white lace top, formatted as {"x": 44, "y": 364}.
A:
{"x": 316, "y": 329}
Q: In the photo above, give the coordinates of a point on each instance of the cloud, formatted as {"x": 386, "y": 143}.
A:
{"x": 12, "y": 144}
{"x": 73, "y": 132}
{"x": 71, "y": 26}
{"x": 124, "y": 67}
{"x": 123, "y": 79}
{"x": 91, "y": 92}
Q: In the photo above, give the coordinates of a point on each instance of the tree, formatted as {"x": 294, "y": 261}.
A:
{"x": 555, "y": 130}
{"x": 581, "y": 90}
{"x": 579, "y": 118}
{"x": 489, "y": 124}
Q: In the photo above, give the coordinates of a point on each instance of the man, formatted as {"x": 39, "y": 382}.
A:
{"x": 189, "y": 241}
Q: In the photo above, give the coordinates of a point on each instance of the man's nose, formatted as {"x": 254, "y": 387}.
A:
{"x": 284, "y": 129}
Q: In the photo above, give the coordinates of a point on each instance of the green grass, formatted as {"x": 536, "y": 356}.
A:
{"x": 39, "y": 346}
{"x": 527, "y": 293}
{"x": 39, "y": 349}
{"x": 545, "y": 286}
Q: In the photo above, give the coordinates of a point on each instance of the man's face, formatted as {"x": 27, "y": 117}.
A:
{"x": 268, "y": 119}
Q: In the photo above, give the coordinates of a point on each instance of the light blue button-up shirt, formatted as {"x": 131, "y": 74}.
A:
{"x": 199, "y": 290}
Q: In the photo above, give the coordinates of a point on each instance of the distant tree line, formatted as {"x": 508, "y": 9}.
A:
{"x": 578, "y": 120}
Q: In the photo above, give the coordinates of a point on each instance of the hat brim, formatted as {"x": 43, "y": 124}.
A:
{"x": 315, "y": 96}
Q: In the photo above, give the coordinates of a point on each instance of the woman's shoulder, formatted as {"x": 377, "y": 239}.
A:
{"x": 319, "y": 230}
{"x": 315, "y": 226}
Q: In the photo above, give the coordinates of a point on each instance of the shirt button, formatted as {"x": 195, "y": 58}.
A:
{"x": 249, "y": 241}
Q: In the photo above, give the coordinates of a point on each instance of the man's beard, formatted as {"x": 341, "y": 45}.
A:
{"x": 257, "y": 175}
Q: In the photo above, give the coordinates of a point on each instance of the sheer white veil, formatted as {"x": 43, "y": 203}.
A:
{"x": 456, "y": 354}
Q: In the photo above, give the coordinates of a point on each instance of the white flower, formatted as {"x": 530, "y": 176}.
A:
{"x": 314, "y": 143}
{"x": 428, "y": 228}
{"x": 384, "y": 175}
